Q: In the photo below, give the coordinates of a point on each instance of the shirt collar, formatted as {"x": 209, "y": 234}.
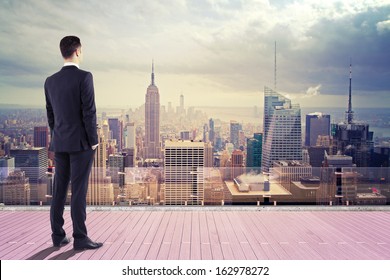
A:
{"x": 71, "y": 64}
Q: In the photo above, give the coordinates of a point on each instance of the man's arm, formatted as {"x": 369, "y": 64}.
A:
{"x": 49, "y": 109}
{"x": 89, "y": 109}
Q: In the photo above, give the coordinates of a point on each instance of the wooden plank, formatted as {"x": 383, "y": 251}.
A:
{"x": 324, "y": 235}
{"x": 216, "y": 249}
{"x": 359, "y": 234}
{"x": 120, "y": 254}
{"x": 263, "y": 235}
{"x": 204, "y": 237}
{"x": 296, "y": 238}
{"x": 140, "y": 237}
{"x": 237, "y": 249}
{"x": 143, "y": 250}
{"x": 174, "y": 250}
{"x": 163, "y": 252}
{"x": 195, "y": 237}
{"x": 185, "y": 247}
{"x": 248, "y": 237}
{"x": 226, "y": 246}
{"x": 119, "y": 239}
{"x": 158, "y": 239}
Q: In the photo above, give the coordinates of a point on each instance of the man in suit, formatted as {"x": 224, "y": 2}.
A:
{"x": 71, "y": 113}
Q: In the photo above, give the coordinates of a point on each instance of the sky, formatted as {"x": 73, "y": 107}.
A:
{"x": 214, "y": 52}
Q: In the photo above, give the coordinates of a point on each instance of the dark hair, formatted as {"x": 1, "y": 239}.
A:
{"x": 69, "y": 45}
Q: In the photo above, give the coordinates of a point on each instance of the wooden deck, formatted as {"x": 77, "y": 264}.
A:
{"x": 205, "y": 235}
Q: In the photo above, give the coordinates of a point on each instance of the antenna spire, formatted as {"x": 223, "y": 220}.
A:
{"x": 275, "y": 70}
{"x": 350, "y": 112}
{"x": 153, "y": 72}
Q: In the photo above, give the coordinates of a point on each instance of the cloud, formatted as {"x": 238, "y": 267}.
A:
{"x": 312, "y": 91}
{"x": 211, "y": 47}
{"x": 383, "y": 26}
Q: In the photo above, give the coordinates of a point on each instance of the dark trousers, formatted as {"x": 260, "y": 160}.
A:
{"x": 74, "y": 167}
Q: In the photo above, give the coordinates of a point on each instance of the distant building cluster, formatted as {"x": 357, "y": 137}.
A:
{"x": 161, "y": 155}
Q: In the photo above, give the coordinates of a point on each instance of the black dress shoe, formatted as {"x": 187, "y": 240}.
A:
{"x": 63, "y": 242}
{"x": 87, "y": 244}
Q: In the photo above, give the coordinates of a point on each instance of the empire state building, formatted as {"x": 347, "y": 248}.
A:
{"x": 152, "y": 145}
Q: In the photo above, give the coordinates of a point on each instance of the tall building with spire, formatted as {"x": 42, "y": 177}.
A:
{"x": 282, "y": 138}
{"x": 152, "y": 144}
{"x": 353, "y": 138}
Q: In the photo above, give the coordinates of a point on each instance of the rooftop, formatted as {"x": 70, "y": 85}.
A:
{"x": 275, "y": 189}
{"x": 205, "y": 233}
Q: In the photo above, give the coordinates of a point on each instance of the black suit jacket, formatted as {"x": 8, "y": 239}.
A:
{"x": 71, "y": 111}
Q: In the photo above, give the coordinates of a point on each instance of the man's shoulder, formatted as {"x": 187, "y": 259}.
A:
{"x": 69, "y": 70}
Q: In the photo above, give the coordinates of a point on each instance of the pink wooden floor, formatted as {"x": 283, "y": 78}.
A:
{"x": 219, "y": 235}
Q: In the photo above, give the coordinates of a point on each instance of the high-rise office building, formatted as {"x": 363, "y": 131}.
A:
{"x": 338, "y": 180}
{"x": 352, "y": 138}
{"x": 116, "y": 129}
{"x": 205, "y": 132}
{"x": 236, "y": 164}
{"x": 185, "y": 135}
{"x": 184, "y": 163}
{"x": 7, "y": 165}
{"x": 235, "y": 129}
{"x": 100, "y": 189}
{"x": 317, "y": 124}
{"x": 15, "y": 189}
{"x": 152, "y": 145}
{"x": 181, "y": 110}
{"x": 117, "y": 167}
{"x": 254, "y": 151}
{"x": 130, "y": 136}
{"x": 282, "y": 138}
{"x": 32, "y": 161}
{"x": 41, "y": 136}
{"x": 106, "y": 131}
{"x": 211, "y": 131}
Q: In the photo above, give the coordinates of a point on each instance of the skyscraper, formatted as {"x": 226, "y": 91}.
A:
{"x": 152, "y": 146}
{"x": 41, "y": 136}
{"x": 211, "y": 131}
{"x": 317, "y": 124}
{"x": 184, "y": 163}
{"x": 130, "y": 136}
{"x": 15, "y": 189}
{"x": 352, "y": 138}
{"x": 254, "y": 151}
{"x": 235, "y": 129}
{"x": 100, "y": 189}
{"x": 236, "y": 164}
{"x": 117, "y": 166}
{"x": 130, "y": 145}
{"x": 282, "y": 129}
{"x": 32, "y": 161}
{"x": 7, "y": 165}
{"x": 117, "y": 132}
{"x": 181, "y": 110}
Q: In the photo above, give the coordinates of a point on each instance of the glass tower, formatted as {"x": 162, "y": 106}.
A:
{"x": 282, "y": 137}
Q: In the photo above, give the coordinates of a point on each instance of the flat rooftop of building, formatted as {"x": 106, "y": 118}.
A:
{"x": 205, "y": 233}
{"x": 183, "y": 143}
{"x": 298, "y": 184}
{"x": 275, "y": 189}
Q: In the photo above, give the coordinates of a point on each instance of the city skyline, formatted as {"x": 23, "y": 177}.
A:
{"x": 212, "y": 52}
